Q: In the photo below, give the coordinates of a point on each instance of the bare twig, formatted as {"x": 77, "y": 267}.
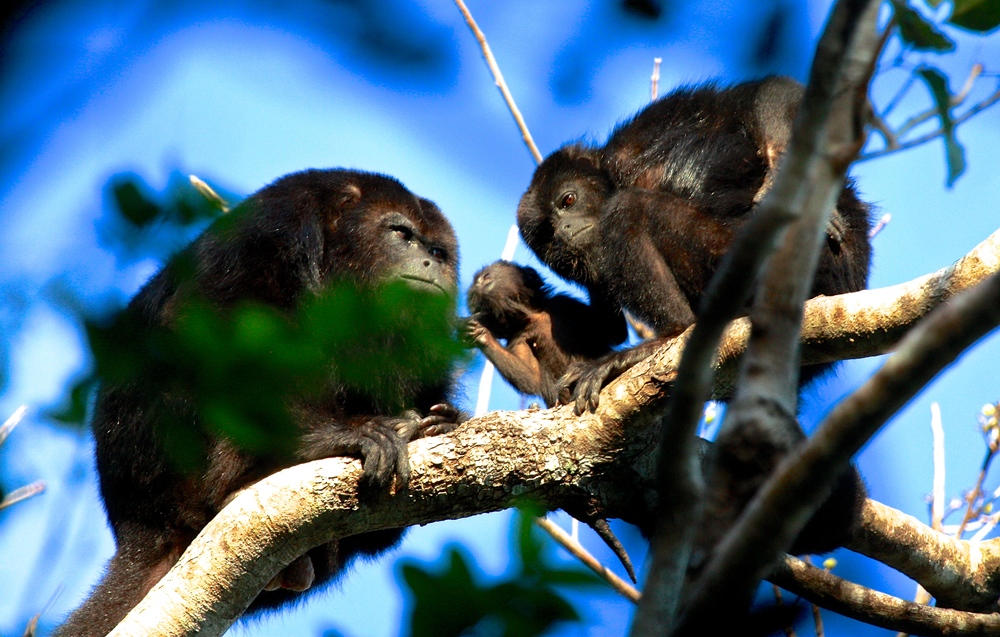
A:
{"x": 654, "y": 80}
{"x": 22, "y": 493}
{"x": 880, "y": 225}
{"x": 501, "y": 84}
{"x": 11, "y": 422}
{"x": 893, "y": 145}
{"x": 575, "y": 549}
{"x": 207, "y": 192}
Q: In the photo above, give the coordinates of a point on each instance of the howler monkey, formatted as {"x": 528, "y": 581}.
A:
{"x": 307, "y": 234}
{"x": 544, "y": 332}
{"x": 644, "y": 221}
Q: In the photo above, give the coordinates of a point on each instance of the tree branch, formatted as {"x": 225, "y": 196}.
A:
{"x": 551, "y": 456}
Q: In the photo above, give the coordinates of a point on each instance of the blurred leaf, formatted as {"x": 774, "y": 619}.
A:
{"x": 650, "y": 9}
{"x": 975, "y": 15}
{"x": 453, "y": 602}
{"x": 934, "y": 4}
{"x": 937, "y": 83}
{"x": 139, "y": 223}
{"x": 916, "y": 31}
{"x": 75, "y": 407}
{"x": 133, "y": 205}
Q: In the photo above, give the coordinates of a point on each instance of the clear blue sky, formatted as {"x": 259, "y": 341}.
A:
{"x": 241, "y": 93}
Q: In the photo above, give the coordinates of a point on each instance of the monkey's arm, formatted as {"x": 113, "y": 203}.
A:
{"x": 585, "y": 379}
{"x": 516, "y": 363}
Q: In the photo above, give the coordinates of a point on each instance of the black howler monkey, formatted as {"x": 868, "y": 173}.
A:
{"x": 281, "y": 248}
{"x": 644, "y": 221}
{"x": 544, "y": 332}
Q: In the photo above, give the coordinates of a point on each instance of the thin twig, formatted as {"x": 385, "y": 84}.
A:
{"x": 22, "y": 493}
{"x": 581, "y": 554}
{"x": 501, "y": 84}
{"x": 900, "y": 146}
{"x": 882, "y": 223}
{"x": 937, "y": 495}
{"x": 11, "y": 422}
{"x": 937, "y": 492}
{"x": 789, "y": 628}
{"x": 654, "y": 80}
{"x": 207, "y": 192}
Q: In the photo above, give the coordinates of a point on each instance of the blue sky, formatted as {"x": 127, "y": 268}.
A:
{"x": 241, "y": 93}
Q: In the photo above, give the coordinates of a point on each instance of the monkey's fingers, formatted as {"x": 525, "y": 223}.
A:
{"x": 604, "y": 531}
{"x": 384, "y": 455}
{"x": 443, "y": 418}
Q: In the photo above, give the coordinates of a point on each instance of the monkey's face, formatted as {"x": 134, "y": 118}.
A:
{"x": 559, "y": 215}
{"x": 386, "y": 234}
{"x": 502, "y": 294}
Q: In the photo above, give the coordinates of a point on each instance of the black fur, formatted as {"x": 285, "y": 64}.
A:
{"x": 644, "y": 221}
{"x": 281, "y": 247}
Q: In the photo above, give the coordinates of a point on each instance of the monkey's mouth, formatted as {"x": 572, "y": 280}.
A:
{"x": 420, "y": 283}
{"x": 573, "y": 233}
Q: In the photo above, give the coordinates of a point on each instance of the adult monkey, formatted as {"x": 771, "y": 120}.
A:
{"x": 307, "y": 234}
{"x": 644, "y": 221}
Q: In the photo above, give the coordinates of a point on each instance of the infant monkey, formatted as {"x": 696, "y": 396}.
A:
{"x": 544, "y": 334}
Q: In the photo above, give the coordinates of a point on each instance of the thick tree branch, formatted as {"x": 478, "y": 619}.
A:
{"x": 799, "y": 182}
{"x": 958, "y": 573}
{"x": 875, "y": 608}
{"x": 803, "y": 479}
{"x": 551, "y": 456}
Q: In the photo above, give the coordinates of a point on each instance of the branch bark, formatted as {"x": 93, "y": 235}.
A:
{"x": 555, "y": 458}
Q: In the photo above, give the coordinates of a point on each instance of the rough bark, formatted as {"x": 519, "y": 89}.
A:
{"x": 605, "y": 459}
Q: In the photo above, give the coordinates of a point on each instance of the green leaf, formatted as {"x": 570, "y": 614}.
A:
{"x": 74, "y": 412}
{"x": 916, "y": 31}
{"x": 975, "y": 15}
{"x": 133, "y": 204}
{"x": 937, "y": 83}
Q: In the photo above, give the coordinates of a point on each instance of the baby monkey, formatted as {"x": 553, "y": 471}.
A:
{"x": 544, "y": 333}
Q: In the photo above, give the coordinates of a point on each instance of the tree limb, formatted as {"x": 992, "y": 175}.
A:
{"x": 551, "y": 456}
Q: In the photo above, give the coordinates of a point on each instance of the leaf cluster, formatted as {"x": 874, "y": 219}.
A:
{"x": 527, "y": 603}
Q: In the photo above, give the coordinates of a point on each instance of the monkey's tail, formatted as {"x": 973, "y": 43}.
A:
{"x": 604, "y": 531}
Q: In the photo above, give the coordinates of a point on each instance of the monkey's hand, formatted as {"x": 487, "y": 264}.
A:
{"x": 379, "y": 440}
{"x": 475, "y": 334}
{"x": 443, "y": 418}
{"x": 584, "y": 380}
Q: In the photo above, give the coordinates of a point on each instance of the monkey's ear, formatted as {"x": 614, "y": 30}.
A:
{"x": 349, "y": 195}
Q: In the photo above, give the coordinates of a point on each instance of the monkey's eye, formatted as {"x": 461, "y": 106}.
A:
{"x": 567, "y": 200}
{"x": 439, "y": 253}
{"x": 404, "y": 233}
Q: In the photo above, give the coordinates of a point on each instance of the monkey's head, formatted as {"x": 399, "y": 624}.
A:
{"x": 502, "y": 294}
{"x": 314, "y": 228}
{"x": 558, "y": 216}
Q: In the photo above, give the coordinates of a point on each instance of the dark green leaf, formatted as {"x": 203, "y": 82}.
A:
{"x": 133, "y": 204}
{"x": 975, "y": 15}
{"x": 937, "y": 83}
{"x": 74, "y": 411}
{"x": 918, "y": 32}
